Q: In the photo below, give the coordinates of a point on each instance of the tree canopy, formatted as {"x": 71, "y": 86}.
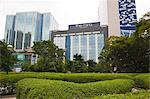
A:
{"x": 7, "y": 60}
{"x": 50, "y": 57}
{"x": 129, "y": 54}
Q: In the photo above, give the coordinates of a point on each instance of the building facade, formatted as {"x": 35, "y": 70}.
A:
{"x": 108, "y": 14}
{"x": 119, "y": 15}
{"x": 24, "y": 28}
{"x": 85, "y": 39}
{"x": 128, "y": 17}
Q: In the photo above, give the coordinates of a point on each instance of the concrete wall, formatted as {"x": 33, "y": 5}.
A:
{"x": 109, "y": 15}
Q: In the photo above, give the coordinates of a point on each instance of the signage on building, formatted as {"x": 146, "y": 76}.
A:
{"x": 84, "y": 27}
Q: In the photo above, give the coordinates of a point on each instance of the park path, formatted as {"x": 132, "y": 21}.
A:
{"x": 8, "y": 97}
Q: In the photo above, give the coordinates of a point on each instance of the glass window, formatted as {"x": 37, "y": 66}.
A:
{"x": 19, "y": 40}
{"x": 75, "y": 45}
{"x": 92, "y": 47}
{"x": 100, "y": 40}
{"x": 60, "y": 42}
{"x": 84, "y": 46}
{"x": 27, "y": 41}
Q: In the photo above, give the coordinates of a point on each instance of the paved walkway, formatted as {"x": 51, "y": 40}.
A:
{"x": 8, "y": 97}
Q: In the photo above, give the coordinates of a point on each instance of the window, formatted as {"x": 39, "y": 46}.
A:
{"x": 92, "y": 47}
{"x": 19, "y": 40}
{"x": 27, "y": 41}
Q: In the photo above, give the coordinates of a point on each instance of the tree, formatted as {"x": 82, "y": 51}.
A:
{"x": 91, "y": 65}
{"x": 7, "y": 60}
{"x": 77, "y": 65}
{"x": 51, "y": 57}
{"x": 129, "y": 54}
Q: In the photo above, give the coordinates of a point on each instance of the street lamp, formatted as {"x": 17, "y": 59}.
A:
{"x": 145, "y": 34}
{"x": 10, "y": 48}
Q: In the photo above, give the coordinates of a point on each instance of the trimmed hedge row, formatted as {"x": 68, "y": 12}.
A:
{"x": 8, "y": 82}
{"x": 31, "y": 88}
{"x": 142, "y": 94}
{"x": 143, "y": 80}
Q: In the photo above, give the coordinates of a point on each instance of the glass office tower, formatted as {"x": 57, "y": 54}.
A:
{"x": 24, "y": 28}
{"x": 9, "y": 30}
{"x": 85, "y": 39}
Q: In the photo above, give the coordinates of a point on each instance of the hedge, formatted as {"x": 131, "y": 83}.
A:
{"x": 143, "y": 81}
{"x": 31, "y": 88}
{"x": 142, "y": 94}
{"x": 8, "y": 82}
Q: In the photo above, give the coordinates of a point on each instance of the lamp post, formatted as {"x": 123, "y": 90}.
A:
{"x": 114, "y": 69}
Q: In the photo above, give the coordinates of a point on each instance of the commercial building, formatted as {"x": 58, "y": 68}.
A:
{"x": 119, "y": 15}
{"x": 128, "y": 17}
{"x": 24, "y": 28}
{"x": 86, "y": 39}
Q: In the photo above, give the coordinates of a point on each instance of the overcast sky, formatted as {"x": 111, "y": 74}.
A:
{"x": 65, "y": 11}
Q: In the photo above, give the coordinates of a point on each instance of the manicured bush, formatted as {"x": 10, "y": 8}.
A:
{"x": 32, "y": 88}
{"x": 143, "y": 81}
{"x": 142, "y": 94}
{"x": 8, "y": 82}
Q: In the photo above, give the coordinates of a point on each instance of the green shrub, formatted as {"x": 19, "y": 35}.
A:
{"x": 143, "y": 81}
{"x": 8, "y": 82}
{"x": 93, "y": 77}
{"x": 32, "y": 88}
{"x": 142, "y": 94}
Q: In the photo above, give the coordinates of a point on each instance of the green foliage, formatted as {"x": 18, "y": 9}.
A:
{"x": 129, "y": 54}
{"x": 143, "y": 81}
{"x": 142, "y": 25}
{"x": 8, "y": 82}
{"x": 142, "y": 94}
{"x": 91, "y": 65}
{"x": 46, "y": 89}
{"x": 78, "y": 65}
{"x": 50, "y": 58}
{"x": 7, "y": 60}
{"x": 102, "y": 68}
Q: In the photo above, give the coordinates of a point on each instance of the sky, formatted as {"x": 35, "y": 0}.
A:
{"x": 65, "y": 11}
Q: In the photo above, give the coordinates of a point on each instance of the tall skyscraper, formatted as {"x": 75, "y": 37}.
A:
{"x": 127, "y": 13}
{"x": 119, "y": 15}
{"x": 24, "y": 28}
{"x": 108, "y": 14}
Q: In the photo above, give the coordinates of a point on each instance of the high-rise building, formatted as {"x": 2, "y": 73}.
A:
{"x": 119, "y": 15}
{"x": 85, "y": 39}
{"x": 127, "y": 13}
{"x": 24, "y": 28}
{"x": 108, "y": 14}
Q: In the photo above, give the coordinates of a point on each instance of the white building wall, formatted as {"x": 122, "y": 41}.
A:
{"x": 103, "y": 12}
{"x": 109, "y": 15}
